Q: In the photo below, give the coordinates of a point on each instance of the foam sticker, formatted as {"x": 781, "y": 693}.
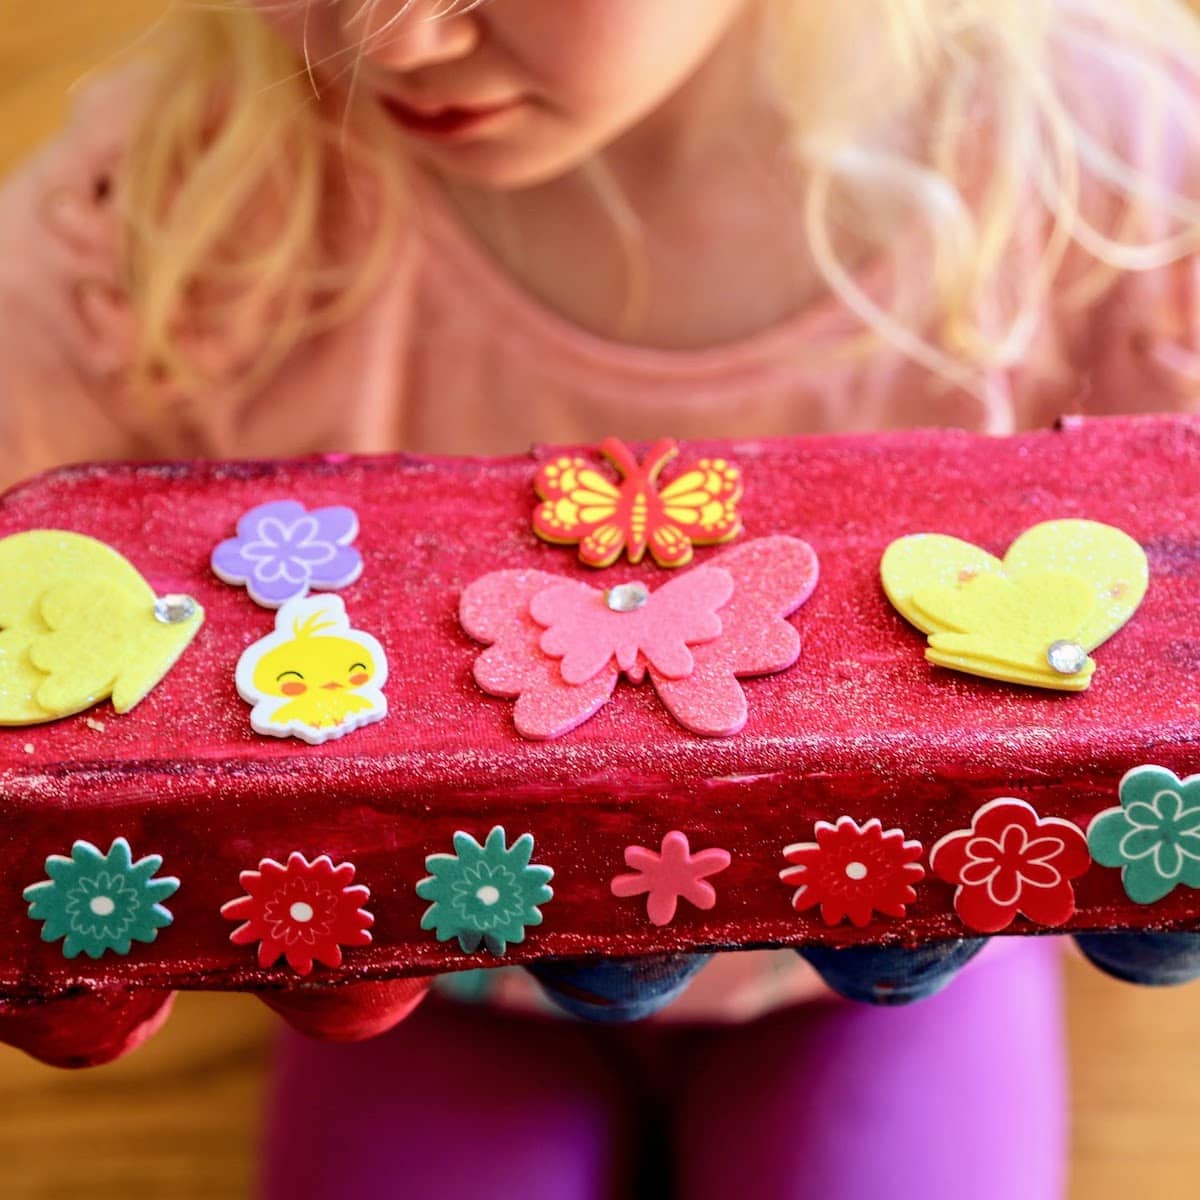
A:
{"x": 669, "y": 875}
{"x": 851, "y": 871}
{"x": 485, "y": 895}
{"x": 583, "y": 505}
{"x": 629, "y": 625}
{"x": 98, "y": 902}
{"x": 315, "y": 677}
{"x": 282, "y": 550}
{"x": 1153, "y": 835}
{"x": 1012, "y": 861}
{"x": 559, "y": 646}
{"x": 79, "y": 624}
{"x": 1063, "y": 588}
{"x": 301, "y": 911}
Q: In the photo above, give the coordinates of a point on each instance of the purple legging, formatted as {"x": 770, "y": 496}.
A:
{"x": 958, "y": 1095}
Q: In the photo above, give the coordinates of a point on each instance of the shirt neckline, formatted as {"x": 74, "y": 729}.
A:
{"x": 779, "y": 346}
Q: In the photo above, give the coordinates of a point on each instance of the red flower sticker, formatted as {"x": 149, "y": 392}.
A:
{"x": 1012, "y": 861}
{"x": 305, "y": 911}
{"x": 854, "y": 871}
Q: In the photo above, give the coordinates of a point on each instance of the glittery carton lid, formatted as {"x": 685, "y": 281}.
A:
{"x": 861, "y": 726}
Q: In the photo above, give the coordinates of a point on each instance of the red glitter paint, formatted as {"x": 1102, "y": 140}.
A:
{"x": 861, "y": 726}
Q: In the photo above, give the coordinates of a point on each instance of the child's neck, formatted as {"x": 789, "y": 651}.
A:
{"x": 717, "y": 250}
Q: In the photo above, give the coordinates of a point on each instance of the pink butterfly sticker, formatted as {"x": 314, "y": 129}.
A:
{"x": 558, "y": 646}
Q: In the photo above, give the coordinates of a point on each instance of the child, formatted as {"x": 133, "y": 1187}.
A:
{"x": 371, "y": 225}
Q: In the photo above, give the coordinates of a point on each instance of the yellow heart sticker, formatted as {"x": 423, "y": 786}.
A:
{"x": 1032, "y": 618}
{"x": 78, "y": 624}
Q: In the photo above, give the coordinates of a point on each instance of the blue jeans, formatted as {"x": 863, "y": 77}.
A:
{"x": 885, "y": 975}
{"x": 891, "y": 974}
{"x": 618, "y": 990}
{"x": 612, "y": 990}
{"x": 1152, "y": 959}
{"x": 615, "y": 990}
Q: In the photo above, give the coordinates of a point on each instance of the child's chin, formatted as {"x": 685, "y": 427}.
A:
{"x": 499, "y": 167}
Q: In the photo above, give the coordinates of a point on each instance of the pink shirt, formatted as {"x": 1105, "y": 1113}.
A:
{"x": 450, "y": 356}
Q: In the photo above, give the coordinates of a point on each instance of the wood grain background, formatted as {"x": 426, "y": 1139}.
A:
{"x": 179, "y": 1119}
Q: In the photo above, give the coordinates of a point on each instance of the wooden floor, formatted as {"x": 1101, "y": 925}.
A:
{"x": 176, "y": 1120}
{"x": 179, "y": 1118}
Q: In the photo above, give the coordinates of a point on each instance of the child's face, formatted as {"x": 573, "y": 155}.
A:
{"x": 509, "y": 93}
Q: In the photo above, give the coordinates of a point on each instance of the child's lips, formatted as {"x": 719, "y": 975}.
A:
{"x": 448, "y": 120}
{"x": 330, "y": 686}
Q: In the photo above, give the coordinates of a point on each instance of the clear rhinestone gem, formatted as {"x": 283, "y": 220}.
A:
{"x": 626, "y": 597}
{"x": 300, "y": 911}
{"x": 1067, "y": 658}
{"x": 174, "y": 609}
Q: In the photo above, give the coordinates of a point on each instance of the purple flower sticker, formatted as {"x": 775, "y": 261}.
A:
{"x": 282, "y": 550}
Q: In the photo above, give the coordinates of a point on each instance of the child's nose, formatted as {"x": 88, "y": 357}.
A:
{"x": 404, "y": 35}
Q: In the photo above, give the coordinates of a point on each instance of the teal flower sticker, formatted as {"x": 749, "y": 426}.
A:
{"x": 98, "y": 902}
{"x": 484, "y": 894}
{"x": 1153, "y": 835}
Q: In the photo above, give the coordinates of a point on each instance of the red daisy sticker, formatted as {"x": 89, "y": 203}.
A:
{"x": 304, "y": 912}
{"x": 1012, "y": 861}
{"x": 854, "y": 871}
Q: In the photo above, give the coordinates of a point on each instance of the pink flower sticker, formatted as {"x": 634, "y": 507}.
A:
{"x": 559, "y": 646}
{"x": 672, "y": 874}
{"x": 1012, "y": 861}
{"x": 854, "y": 871}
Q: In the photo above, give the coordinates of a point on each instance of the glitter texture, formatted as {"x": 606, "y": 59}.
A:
{"x": 861, "y": 725}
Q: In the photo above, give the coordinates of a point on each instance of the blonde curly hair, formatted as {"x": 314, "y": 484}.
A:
{"x": 233, "y": 119}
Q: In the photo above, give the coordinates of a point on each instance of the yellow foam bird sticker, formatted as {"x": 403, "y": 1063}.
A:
{"x": 79, "y": 624}
{"x": 1063, "y": 588}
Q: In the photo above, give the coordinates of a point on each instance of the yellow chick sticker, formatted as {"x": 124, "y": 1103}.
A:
{"x": 79, "y": 624}
{"x": 315, "y": 677}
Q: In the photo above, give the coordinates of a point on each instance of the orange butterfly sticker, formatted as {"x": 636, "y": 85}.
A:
{"x": 581, "y": 504}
